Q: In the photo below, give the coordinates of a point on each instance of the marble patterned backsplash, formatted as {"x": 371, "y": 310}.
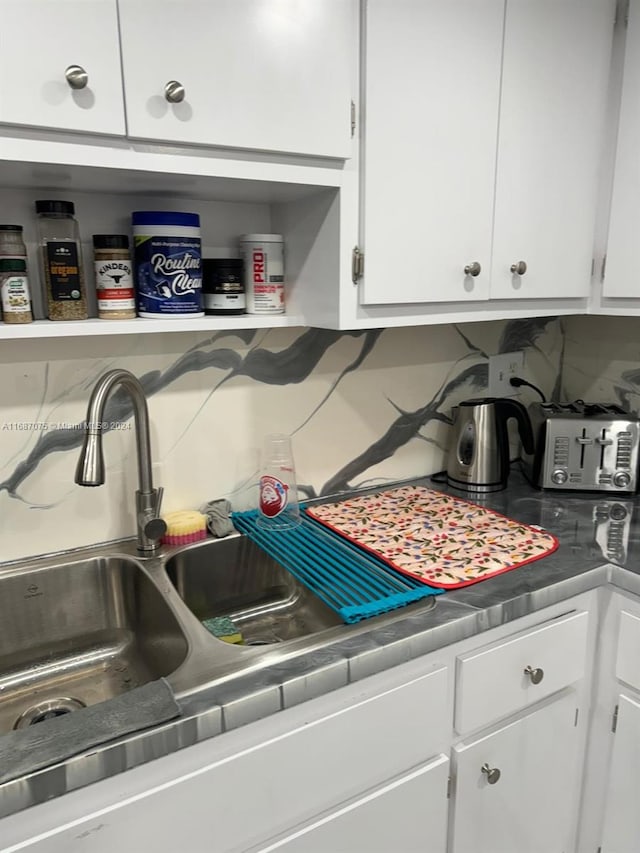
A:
{"x": 603, "y": 361}
{"x": 363, "y": 408}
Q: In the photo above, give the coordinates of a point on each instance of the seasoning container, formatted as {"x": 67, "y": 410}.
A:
{"x": 15, "y": 296}
{"x": 264, "y": 272}
{"x": 114, "y": 277}
{"x": 222, "y": 286}
{"x": 14, "y": 291}
{"x": 61, "y": 260}
{"x": 168, "y": 264}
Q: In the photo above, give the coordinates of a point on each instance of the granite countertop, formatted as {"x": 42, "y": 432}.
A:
{"x": 599, "y": 538}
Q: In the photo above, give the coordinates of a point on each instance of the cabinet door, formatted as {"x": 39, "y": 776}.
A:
{"x": 42, "y": 41}
{"x": 622, "y": 817}
{"x": 530, "y": 807}
{"x": 624, "y": 226}
{"x": 431, "y": 95}
{"x": 409, "y": 815}
{"x": 554, "y": 85}
{"x": 273, "y": 75}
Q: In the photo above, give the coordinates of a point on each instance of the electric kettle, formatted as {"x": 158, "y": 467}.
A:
{"x": 479, "y": 453}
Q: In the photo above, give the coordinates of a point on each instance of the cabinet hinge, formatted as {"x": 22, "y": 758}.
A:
{"x": 357, "y": 265}
{"x": 575, "y": 719}
{"x": 448, "y": 787}
{"x": 603, "y": 268}
{"x": 353, "y": 119}
{"x": 614, "y": 721}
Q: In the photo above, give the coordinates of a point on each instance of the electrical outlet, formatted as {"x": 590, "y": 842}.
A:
{"x": 501, "y": 368}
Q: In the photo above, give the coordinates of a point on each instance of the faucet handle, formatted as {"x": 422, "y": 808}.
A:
{"x": 155, "y": 528}
{"x": 150, "y": 524}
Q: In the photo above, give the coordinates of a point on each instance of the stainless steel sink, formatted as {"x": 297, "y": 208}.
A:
{"x": 234, "y": 577}
{"x": 74, "y": 633}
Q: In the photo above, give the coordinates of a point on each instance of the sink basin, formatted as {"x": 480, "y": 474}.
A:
{"x": 234, "y": 577}
{"x": 76, "y": 633}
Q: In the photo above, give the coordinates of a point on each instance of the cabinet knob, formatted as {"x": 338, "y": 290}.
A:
{"x": 535, "y": 674}
{"x": 492, "y": 773}
{"x": 174, "y": 92}
{"x": 473, "y": 269}
{"x": 76, "y": 77}
{"x": 519, "y": 268}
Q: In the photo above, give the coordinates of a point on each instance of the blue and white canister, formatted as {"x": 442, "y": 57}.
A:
{"x": 168, "y": 264}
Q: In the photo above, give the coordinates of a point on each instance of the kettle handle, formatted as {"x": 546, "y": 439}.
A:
{"x": 506, "y": 409}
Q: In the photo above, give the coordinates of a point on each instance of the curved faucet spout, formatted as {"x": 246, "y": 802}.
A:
{"x": 90, "y": 468}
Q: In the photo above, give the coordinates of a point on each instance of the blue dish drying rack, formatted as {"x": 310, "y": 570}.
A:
{"x": 352, "y": 582}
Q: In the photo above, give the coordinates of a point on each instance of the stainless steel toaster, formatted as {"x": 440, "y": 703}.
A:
{"x": 583, "y": 447}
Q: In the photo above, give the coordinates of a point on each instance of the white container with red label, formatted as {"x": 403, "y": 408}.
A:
{"x": 263, "y": 258}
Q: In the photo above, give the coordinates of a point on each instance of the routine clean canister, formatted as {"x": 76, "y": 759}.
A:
{"x": 264, "y": 272}
{"x": 168, "y": 264}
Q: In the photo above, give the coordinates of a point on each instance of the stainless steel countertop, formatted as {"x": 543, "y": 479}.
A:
{"x": 599, "y": 539}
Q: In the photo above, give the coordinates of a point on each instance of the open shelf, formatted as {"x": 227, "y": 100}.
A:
{"x": 92, "y": 327}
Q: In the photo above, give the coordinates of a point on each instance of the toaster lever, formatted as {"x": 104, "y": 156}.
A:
{"x": 583, "y": 441}
{"x": 604, "y": 442}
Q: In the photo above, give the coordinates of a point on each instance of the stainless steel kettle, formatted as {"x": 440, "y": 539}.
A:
{"x": 479, "y": 453}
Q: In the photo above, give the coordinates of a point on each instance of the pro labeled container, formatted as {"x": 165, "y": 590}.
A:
{"x": 168, "y": 264}
{"x": 263, "y": 256}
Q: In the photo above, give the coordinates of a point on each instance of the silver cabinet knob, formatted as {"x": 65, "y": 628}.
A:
{"x": 76, "y": 77}
{"x": 174, "y": 92}
{"x": 519, "y": 268}
{"x": 535, "y": 674}
{"x": 492, "y": 773}
{"x": 473, "y": 269}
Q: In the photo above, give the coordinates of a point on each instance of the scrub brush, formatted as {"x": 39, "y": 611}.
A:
{"x": 223, "y": 628}
{"x": 184, "y": 526}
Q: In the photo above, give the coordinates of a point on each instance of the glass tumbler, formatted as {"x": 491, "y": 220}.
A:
{"x": 278, "y": 507}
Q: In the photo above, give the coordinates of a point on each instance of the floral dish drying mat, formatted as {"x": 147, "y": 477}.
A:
{"x": 441, "y": 540}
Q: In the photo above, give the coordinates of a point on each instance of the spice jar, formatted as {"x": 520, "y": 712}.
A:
{"x": 15, "y": 296}
{"x": 114, "y": 279}
{"x": 14, "y": 291}
{"x": 61, "y": 260}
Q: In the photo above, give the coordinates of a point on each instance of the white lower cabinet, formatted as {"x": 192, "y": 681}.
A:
{"x": 515, "y": 787}
{"x": 374, "y": 767}
{"x": 622, "y": 816}
{"x": 409, "y": 815}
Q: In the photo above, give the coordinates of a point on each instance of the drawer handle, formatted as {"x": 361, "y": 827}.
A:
{"x": 519, "y": 268}
{"x": 535, "y": 674}
{"x": 492, "y": 773}
{"x": 473, "y": 269}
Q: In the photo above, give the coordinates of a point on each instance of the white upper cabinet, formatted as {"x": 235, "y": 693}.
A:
{"x": 431, "y": 95}
{"x": 557, "y": 55}
{"x": 60, "y": 65}
{"x": 621, "y": 278}
{"x": 483, "y": 131}
{"x": 269, "y": 75}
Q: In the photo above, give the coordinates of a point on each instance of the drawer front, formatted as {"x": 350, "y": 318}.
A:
{"x": 502, "y": 678}
{"x": 628, "y": 656}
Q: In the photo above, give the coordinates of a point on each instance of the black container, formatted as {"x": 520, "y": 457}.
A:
{"x": 223, "y": 286}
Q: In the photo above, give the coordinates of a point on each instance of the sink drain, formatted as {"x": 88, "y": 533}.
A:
{"x": 47, "y": 711}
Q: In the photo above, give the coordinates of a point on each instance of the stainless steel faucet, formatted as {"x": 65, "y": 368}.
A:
{"x": 90, "y": 469}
